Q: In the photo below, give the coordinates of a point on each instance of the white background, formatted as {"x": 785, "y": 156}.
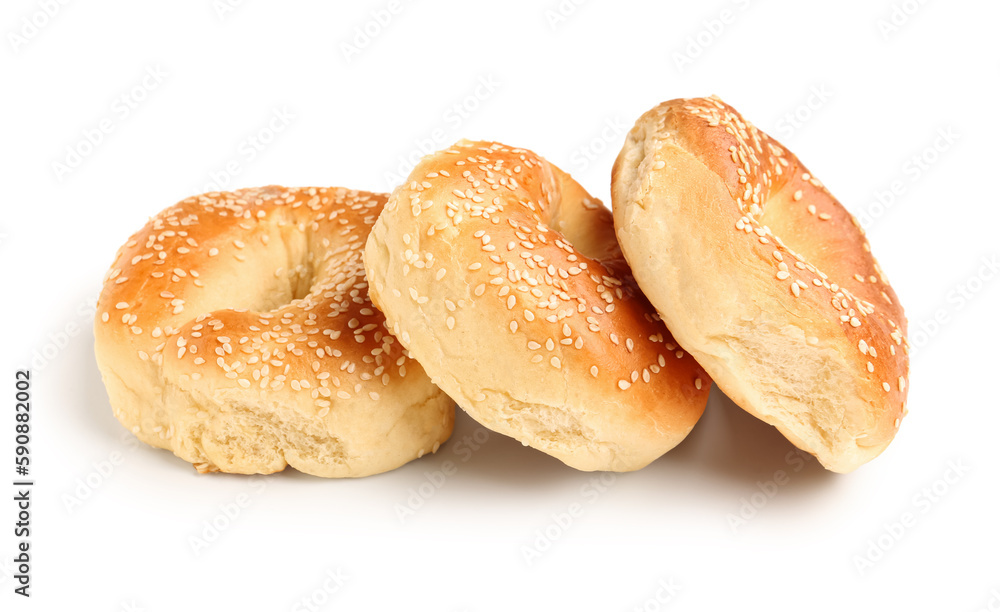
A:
{"x": 869, "y": 97}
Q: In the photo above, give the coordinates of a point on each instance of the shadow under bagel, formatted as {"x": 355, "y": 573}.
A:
{"x": 731, "y": 444}
{"x": 727, "y": 444}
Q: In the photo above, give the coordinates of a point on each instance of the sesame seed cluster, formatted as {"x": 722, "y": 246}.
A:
{"x": 557, "y": 300}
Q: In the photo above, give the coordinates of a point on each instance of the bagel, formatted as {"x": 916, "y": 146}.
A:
{"x": 235, "y": 329}
{"x": 764, "y": 277}
{"x": 502, "y": 277}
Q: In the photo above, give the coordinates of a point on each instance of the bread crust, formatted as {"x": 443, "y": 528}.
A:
{"x": 235, "y": 329}
{"x": 765, "y": 277}
{"x": 503, "y": 278}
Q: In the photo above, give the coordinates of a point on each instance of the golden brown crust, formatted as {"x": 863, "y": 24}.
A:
{"x": 236, "y": 330}
{"x": 503, "y": 278}
{"x": 703, "y": 198}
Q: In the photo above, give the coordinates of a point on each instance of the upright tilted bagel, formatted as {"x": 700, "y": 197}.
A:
{"x": 764, "y": 277}
{"x": 235, "y": 329}
{"x": 503, "y": 278}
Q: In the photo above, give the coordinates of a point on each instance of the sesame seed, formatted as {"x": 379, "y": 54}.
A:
{"x": 782, "y": 274}
{"x": 697, "y": 383}
{"x": 624, "y": 384}
{"x": 593, "y": 371}
{"x": 886, "y": 387}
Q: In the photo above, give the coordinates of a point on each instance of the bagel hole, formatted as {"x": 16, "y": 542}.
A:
{"x": 295, "y": 267}
{"x": 302, "y": 282}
